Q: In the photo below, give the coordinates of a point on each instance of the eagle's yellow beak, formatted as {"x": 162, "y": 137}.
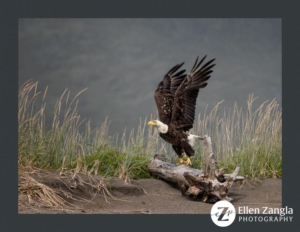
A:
{"x": 152, "y": 123}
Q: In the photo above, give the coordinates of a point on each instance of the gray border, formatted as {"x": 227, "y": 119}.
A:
{"x": 11, "y": 10}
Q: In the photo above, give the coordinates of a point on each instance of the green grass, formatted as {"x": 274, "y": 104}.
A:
{"x": 250, "y": 137}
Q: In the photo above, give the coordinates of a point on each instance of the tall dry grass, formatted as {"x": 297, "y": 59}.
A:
{"x": 251, "y": 137}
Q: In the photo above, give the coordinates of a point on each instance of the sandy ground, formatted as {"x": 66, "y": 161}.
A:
{"x": 154, "y": 196}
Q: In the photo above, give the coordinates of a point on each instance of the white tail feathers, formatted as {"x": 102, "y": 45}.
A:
{"x": 192, "y": 138}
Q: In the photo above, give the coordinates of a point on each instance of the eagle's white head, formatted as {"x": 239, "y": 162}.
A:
{"x": 162, "y": 128}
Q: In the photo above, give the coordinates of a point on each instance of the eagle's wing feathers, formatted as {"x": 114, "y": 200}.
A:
{"x": 165, "y": 92}
{"x": 183, "y": 114}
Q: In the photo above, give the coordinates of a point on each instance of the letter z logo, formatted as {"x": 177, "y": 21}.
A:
{"x": 225, "y": 209}
{"x": 223, "y": 213}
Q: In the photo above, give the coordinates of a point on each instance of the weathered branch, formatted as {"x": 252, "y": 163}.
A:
{"x": 208, "y": 185}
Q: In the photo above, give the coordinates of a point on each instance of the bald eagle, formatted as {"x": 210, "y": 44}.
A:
{"x": 175, "y": 98}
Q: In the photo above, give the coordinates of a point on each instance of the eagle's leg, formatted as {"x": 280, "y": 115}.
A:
{"x": 189, "y": 151}
{"x": 178, "y": 150}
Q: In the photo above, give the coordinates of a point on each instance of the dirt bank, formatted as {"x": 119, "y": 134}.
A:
{"x": 154, "y": 196}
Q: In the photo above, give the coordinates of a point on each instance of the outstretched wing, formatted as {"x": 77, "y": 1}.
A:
{"x": 165, "y": 92}
{"x": 183, "y": 114}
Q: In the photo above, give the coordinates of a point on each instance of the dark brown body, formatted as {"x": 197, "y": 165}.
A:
{"x": 179, "y": 141}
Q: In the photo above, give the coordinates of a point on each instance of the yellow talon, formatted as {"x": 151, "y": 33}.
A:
{"x": 188, "y": 161}
{"x": 180, "y": 161}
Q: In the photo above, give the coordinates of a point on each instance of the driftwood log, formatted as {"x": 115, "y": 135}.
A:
{"x": 208, "y": 185}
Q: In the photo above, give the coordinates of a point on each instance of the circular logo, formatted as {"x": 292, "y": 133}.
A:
{"x": 223, "y": 213}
